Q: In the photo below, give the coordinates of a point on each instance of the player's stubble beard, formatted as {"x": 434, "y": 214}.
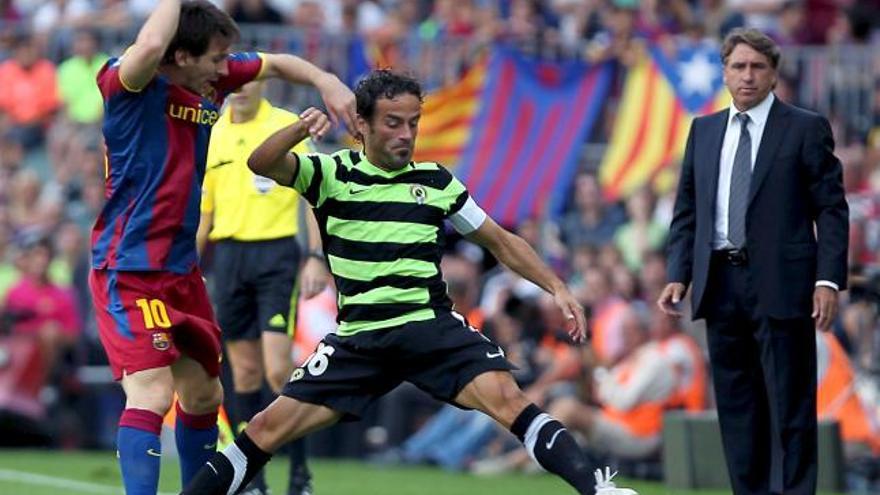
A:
{"x": 388, "y": 157}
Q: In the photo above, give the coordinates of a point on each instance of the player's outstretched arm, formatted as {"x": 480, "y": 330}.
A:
{"x": 337, "y": 97}
{"x": 272, "y": 158}
{"x": 140, "y": 62}
{"x": 513, "y": 251}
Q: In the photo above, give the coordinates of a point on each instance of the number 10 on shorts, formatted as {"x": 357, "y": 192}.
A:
{"x": 154, "y": 312}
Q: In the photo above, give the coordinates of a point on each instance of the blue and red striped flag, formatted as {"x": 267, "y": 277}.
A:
{"x": 527, "y": 135}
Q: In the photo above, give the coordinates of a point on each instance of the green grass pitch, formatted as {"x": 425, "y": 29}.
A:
{"x": 34, "y": 472}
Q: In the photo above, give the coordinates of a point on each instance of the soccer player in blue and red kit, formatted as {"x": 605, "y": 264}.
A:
{"x": 155, "y": 320}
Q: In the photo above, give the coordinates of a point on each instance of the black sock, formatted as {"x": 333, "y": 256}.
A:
{"x": 300, "y": 476}
{"x": 248, "y": 404}
{"x": 548, "y": 443}
{"x": 231, "y": 469}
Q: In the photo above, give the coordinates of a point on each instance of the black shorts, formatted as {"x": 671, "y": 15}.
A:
{"x": 253, "y": 284}
{"x": 439, "y": 356}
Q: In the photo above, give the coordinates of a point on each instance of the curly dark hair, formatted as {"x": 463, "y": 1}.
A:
{"x": 383, "y": 83}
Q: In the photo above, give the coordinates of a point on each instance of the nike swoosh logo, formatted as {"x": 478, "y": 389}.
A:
{"x": 221, "y": 163}
{"x": 553, "y": 438}
{"x": 356, "y": 191}
{"x": 493, "y": 355}
{"x": 153, "y": 453}
{"x": 210, "y": 446}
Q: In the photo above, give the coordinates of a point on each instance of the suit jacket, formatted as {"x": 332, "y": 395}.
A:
{"x": 797, "y": 226}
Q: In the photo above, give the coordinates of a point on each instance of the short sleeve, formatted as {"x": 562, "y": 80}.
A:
{"x": 110, "y": 80}
{"x": 463, "y": 212}
{"x": 244, "y": 67}
{"x": 315, "y": 177}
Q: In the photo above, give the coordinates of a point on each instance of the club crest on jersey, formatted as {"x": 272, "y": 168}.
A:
{"x": 419, "y": 193}
{"x": 161, "y": 341}
{"x": 199, "y": 115}
{"x": 298, "y": 374}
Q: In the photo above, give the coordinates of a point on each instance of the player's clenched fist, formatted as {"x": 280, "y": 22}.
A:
{"x": 317, "y": 122}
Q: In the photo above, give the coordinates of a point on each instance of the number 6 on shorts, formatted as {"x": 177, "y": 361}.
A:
{"x": 317, "y": 363}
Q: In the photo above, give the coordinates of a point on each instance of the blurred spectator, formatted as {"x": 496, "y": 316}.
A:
{"x": 30, "y": 96}
{"x": 462, "y": 283}
{"x": 606, "y": 312}
{"x": 717, "y": 17}
{"x": 579, "y": 20}
{"x": 615, "y": 39}
{"x": 8, "y": 273}
{"x": 53, "y": 14}
{"x": 313, "y": 15}
{"x": 8, "y": 11}
{"x": 448, "y": 18}
{"x": 523, "y": 23}
{"x": 76, "y": 80}
{"x": 624, "y": 283}
{"x": 25, "y": 212}
{"x": 852, "y": 25}
{"x": 660, "y": 18}
{"x": 84, "y": 212}
{"x": 38, "y": 307}
{"x": 838, "y": 399}
{"x": 502, "y": 283}
{"x": 652, "y": 276}
{"x": 759, "y": 14}
{"x": 641, "y": 234}
{"x": 253, "y": 11}
{"x": 555, "y": 357}
{"x": 590, "y": 221}
{"x": 791, "y": 29}
{"x": 686, "y": 359}
{"x": 632, "y": 396}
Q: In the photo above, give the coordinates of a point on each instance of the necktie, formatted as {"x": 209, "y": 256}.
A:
{"x": 740, "y": 178}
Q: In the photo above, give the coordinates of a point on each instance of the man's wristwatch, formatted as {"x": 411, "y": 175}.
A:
{"x": 316, "y": 253}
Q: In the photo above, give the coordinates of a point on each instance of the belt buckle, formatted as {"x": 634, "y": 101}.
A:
{"x": 737, "y": 257}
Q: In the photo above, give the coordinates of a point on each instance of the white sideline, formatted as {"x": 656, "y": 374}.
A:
{"x": 65, "y": 483}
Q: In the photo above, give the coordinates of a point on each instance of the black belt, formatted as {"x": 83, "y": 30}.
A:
{"x": 735, "y": 257}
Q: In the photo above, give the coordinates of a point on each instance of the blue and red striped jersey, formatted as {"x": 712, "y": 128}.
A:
{"x": 157, "y": 144}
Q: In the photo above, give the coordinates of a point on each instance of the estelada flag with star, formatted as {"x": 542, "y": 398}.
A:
{"x": 664, "y": 90}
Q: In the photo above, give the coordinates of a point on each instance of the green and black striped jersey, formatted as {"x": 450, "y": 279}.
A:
{"x": 383, "y": 234}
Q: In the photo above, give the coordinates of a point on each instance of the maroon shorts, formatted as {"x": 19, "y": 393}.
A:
{"x": 147, "y": 320}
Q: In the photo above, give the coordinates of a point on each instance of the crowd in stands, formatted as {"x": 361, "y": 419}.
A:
{"x": 614, "y": 390}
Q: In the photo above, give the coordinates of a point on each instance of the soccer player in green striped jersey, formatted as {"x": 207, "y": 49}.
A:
{"x": 382, "y": 225}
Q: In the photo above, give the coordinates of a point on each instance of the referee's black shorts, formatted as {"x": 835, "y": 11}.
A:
{"x": 440, "y": 356}
{"x": 253, "y": 284}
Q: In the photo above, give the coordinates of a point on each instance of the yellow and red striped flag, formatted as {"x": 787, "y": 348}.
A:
{"x": 447, "y": 115}
{"x": 661, "y": 95}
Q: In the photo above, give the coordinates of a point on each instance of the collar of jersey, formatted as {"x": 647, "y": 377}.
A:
{"x": 365, "y": 165}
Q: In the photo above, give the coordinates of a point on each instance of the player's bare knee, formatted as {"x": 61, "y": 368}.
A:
{"x": 247, "y": 376}
{"x": 156, "y": 397}
{"x": 508, "y": 402}
{"x": 203, "y": 399}
{"x": 264, "y": 433}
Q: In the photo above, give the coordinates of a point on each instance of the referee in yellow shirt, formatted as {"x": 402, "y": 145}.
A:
{"x": 254, "y": 224}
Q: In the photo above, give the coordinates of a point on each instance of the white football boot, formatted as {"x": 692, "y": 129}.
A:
{"x": 604, "y": 485}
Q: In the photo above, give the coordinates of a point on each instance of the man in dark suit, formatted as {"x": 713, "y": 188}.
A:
{"x": 760, "y": 230}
